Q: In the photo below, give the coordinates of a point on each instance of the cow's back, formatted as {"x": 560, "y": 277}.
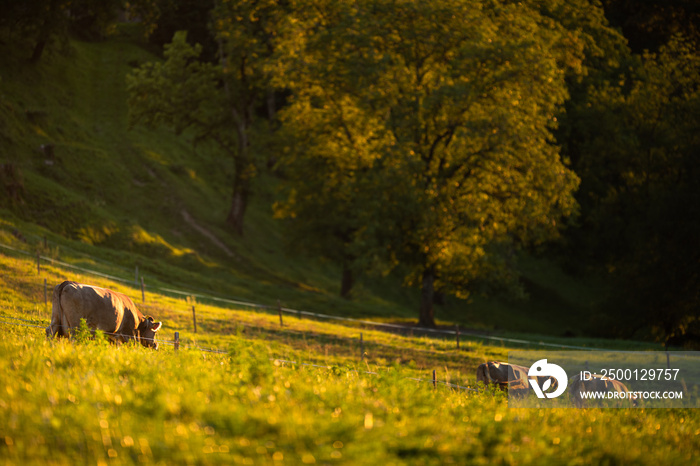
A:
{"x": 101, "y": 308}
{"x": 504, "y": 375}
{"x": 596, "y": 383}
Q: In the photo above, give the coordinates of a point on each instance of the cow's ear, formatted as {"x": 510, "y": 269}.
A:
{"x": 156, "y": 326}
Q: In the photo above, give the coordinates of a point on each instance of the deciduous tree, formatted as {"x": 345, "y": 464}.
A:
{"x": 216, "y": 100}
{"x": 638, "y": 148}
{"x": 456, "y": 102}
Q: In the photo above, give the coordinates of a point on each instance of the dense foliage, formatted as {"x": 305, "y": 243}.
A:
{"x": 439, "y": 140}
{"x": 431, "y": 128}
{"x": 637, "y": 155}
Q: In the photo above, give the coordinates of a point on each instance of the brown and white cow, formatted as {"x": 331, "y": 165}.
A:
{"x": 103, "y": 309}
{"x": 596, "y": 383}
{"x": 510, "y": 377}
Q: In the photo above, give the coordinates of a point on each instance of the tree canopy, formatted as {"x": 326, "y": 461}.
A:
{"x": 435, "y": 140}
{"x": 217, "y": 101}
{"x": 447, "y": 109}
{"x": 638, "y": 160}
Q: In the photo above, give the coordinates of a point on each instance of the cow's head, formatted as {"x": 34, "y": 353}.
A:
{"x": 147, "y": 331}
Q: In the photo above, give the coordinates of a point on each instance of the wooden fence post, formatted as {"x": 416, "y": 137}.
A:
{"x": 194, "y": 319}
{"x": 434, "y": 379}
{"x": 457, "y": 334}
{"x": 143, "y": 291}
{"x": 177, "y": 341}
{"x": 279, "y": 310}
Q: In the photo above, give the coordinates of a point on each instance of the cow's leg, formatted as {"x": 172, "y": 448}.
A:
{"x": 66, "y": 327}
{"x": 112, "y": 338}
{"x": 482, "y": 375}
{"x": 577, "y": 395}
{"x": 57, "y": 326}
{"x": 54, "y": 328}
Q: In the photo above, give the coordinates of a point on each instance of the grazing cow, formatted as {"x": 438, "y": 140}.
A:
{"x": 106, "y": 310}
{"x": 509, "y": 377}
{"x": 596, "y": 383}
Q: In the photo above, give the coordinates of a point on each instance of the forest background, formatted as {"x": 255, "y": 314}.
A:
{"x": 441, "y": 144}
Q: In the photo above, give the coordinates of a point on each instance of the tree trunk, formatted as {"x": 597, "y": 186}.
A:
{"x": 40, "y": 45}
{"x": 346, "y": 283}
{"x": 427, "y": 314}
{"x": 271, "y": 116}
{"x": 271, "y": 107}
{"x": 241, "y": 181}
{"x": 239, "y": 203}
{"x": 242, "y": 166}
{"x": 439, "y": 298}
{"x": 47, "y": 28}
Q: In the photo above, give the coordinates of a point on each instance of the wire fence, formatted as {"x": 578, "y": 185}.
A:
{"x": 296, "y": 312}
{"x": 434, "y": 380}
{"x": 305, "y": 334}
{"x": 280, "y": 309}
{"x": 457, "y": 333}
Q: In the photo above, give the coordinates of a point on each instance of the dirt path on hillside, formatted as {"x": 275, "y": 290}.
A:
{"x": 217, "y": 242}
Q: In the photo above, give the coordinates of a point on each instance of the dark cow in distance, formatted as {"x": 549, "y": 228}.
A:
{"x": 510, "y": 377}
{"x": 103, "y": 309}
{"x": 597, "y": 383}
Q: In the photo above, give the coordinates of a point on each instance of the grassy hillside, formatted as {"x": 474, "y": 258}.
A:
{"x": 242, "y": 388}
{"x": 228, "y": 396}
{"x": 94, "y": 404}
{"x": 134, "y": 197}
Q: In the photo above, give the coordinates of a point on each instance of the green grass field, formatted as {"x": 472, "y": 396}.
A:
{"x": 244, "y": 389}
{"x": 87, "y": 401}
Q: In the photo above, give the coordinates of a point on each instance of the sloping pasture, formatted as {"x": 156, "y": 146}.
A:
{"x": 66, "y": 402}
